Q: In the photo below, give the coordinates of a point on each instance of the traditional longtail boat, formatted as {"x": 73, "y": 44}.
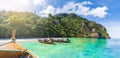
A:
{"x": 46, "y": 41}
{"x": 60, "y": 40}
{"x": 14, "y": 50}
{"x": 52, "y": 40}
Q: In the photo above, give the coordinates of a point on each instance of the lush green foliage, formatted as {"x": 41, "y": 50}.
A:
{"x": 60, "y": 25}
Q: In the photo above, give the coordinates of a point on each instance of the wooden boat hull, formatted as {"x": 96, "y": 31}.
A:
{"x": 10, "y": 54}
{"x": 60, "y": 40}
{"x": 45, "y": 41}
{"x": 14, "y": 50}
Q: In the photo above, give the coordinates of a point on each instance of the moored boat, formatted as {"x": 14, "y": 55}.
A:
{"x": 60, "y": 40}
{"x": 46, "y": 41}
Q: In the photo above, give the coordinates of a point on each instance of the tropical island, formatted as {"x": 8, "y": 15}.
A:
{"x": 59, "y": 29}
{"x": 30, "y": 25}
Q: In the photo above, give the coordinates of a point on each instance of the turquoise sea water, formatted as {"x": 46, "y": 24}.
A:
{"x": 77, "y": 48}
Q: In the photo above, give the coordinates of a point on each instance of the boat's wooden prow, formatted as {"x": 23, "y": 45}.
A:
{"x": 14, "y": 50}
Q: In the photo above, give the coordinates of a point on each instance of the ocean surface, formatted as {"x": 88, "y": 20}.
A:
{"x": 77, "y": 48}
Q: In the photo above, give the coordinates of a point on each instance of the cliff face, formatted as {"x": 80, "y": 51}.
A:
{"x": 71, "y": 25}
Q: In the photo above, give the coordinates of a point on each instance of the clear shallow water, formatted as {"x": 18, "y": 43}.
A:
{"x": 78, "y": 48}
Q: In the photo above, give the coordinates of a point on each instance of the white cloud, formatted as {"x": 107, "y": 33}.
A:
{"x": 44, "y": 9}
{"x": 78, "y": 8}
{"x": 20, "y": 2}
{"x": 21, "y": 5}
{"x": 99, "y": 12}
{"x": 49, "y": 9}
{"x": 14, "y": 5}
{"x": 86, "y": 2}
{"x": 39, "y": 2}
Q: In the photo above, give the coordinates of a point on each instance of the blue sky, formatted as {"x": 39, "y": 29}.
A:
{"x": 105, "y": 12}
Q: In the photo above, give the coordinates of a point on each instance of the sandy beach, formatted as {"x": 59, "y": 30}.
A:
{"x": 17, "y": 40}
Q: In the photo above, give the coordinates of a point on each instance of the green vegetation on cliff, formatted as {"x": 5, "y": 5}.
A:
{"x": 59, "y": 25}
